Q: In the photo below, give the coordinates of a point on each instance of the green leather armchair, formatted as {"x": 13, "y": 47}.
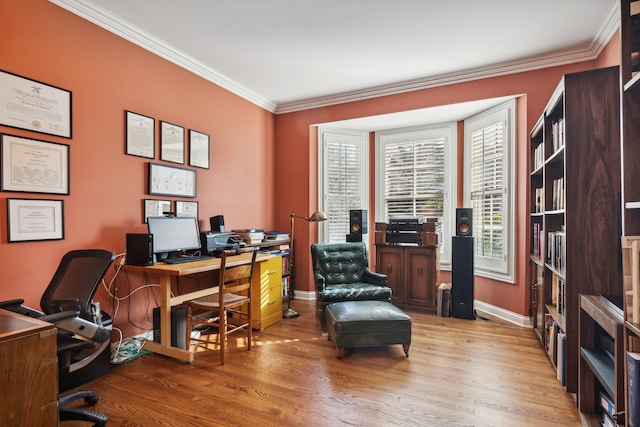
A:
{"x": 341, "y": 273}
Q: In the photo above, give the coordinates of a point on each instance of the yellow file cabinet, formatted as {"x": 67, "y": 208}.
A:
{"x": 266, "y": 292}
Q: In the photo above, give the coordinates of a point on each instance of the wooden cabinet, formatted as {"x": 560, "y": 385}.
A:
{"x": 413, "y": 273}
{"x": 601, "y": 367}
{"x": 574, "y": 202}
{"x": 29, "y": 374}
{"x": 267, "y": 293}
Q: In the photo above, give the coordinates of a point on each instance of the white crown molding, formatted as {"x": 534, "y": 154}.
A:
{"x": 122, "y": 28}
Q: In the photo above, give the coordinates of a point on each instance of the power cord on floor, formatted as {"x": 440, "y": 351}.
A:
{"x": 127, "y": 349}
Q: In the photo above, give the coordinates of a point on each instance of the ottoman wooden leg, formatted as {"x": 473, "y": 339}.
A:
{"x": 405, "y": 347}
{"x": 341, "y": 352}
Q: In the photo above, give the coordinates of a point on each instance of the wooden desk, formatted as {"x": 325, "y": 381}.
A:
{"x": 29, "y": 374}
{"x": 165, "y": 273}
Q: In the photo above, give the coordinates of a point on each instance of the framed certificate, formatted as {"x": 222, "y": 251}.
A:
{"x": 198, "y": 149}
{"x": 186, "y": 208}
{"x": 35, "y": 106}
{"x": 171, "y": 142}
{"x": 32, "y": 220}
{"x": 33, "y": 166}
{"x": 156, "y": 208}
{"x": 171, "y": 181}
{"x": 141, "y": 136}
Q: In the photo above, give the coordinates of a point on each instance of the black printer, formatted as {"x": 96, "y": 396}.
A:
{"x": 216, "y": 242}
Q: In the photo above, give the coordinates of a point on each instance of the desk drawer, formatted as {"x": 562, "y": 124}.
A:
{"x": 267, "y": 293}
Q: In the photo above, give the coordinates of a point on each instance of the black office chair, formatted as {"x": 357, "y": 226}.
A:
{"x": 84, "y": 333}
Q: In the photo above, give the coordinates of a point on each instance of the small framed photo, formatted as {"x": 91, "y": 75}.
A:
{"x": 154, "y": 207}
{"x": 141, "y": 135}
{"x": 171, "y": 143}
{"x": 33, "y": 166}
{"x": 186, "y": 208}
{"x": 34, "y": 220}
{"x": 199, "y": 149}
{"x": 171, "y": 181}
{"x": 34, "y": 106}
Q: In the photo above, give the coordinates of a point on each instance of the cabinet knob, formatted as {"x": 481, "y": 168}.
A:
{"x": 271, "y": 302}
{"x": 388, "y": 269}
{"x": 272, "y": 272}
{"x": 420, "y": 270}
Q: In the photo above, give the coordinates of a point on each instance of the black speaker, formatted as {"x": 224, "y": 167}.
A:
{"x": 217, "y": 224}
{"x": 358, "y": 221}
{"x": 178, "y": 326}
{"x": 355, "y": 237}
{"x": 139, "y": 249}
{"x": 464, "y": 220}
{"x": 462, "y": 278}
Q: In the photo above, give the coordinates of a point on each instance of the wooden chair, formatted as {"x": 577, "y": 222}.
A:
{"x": 229, "y": 309}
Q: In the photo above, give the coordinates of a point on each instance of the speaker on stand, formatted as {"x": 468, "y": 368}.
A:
{"x": 462, "y": 267}
{"x": 357, "y": 225}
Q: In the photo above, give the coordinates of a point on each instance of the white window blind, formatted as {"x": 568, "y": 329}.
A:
{"x": 489, "y": 189}
{"x": 415, "y": 176}
{"x": 343, "y": 158}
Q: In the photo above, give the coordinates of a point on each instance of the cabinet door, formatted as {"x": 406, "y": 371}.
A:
{"x": 266, "y": 293}
{"x": 420, "y": 285}
{"x": 389, "y": 262}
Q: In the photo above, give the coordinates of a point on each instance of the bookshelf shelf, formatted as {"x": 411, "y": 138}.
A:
{"x": 578, "y": 138}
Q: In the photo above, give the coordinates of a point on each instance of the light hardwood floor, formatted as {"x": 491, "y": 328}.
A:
{"x": 458, "y": 373}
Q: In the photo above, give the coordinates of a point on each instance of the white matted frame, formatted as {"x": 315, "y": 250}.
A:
{"x": 199, "y": 149}
{"x": 34, "y": 220}
{"x": 171, "y": 142}
{"x": 184, "y": 208}
{"x": 153, "y": 207}
{"x": 35, "y": 106}
{"x": 34, "y": 166}
{"x": 141, "y": 135}
{"x": 171, "y": 181}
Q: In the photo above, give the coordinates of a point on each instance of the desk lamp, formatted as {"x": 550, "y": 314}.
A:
{"x": 314, "y": 217}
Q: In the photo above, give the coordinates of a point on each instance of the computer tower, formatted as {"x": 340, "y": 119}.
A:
{"x": 217, "y": 224}
{"x": 139, "y": 249}
{"x": 462, "y": 278}
{"x": 178, "y": 326}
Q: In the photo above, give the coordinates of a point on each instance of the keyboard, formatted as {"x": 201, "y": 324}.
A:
{"x": 183, "y": 259}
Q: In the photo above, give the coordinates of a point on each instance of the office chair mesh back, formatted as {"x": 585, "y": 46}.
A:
{"x": 76, "y": 281}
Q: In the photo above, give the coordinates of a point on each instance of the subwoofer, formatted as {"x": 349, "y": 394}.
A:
{"x": 462, "y": 278}
{"x": 464, "y": 220}
{"x": 358, "y": 221}
{"x": 139, "y": 249}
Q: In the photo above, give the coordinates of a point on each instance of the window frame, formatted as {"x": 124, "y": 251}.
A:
{"x": 449, "y": 131}
{"x": 354, "y": 137}
{"x": 503, "y": 270}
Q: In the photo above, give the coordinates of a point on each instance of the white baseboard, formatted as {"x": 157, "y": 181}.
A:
{"x": 305, "y": 295}
{"x": 503, "y": 314}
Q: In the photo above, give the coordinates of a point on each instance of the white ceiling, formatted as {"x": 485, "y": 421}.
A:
{"x": 288, "y": 55}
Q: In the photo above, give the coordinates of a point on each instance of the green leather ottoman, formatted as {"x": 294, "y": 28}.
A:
{"x": 367, "y": 324}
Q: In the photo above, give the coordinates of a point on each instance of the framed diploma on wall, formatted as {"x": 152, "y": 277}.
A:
{"x": 35, "y": 106}
{"x": 33, "y": 166}
{"x": 171, "y": 142}
{"x": 171, "y": 181}
{"x": 141, "y": 136}
{"x": 32, "y": 219}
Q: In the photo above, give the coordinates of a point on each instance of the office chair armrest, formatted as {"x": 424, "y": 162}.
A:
{"x": 84, "y": 328}
{"x": 16, "y": 306}
{"x": 59, "y": 317}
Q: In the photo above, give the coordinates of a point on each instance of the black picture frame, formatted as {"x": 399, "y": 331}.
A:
{"x": 32, "y": 220}
{"x": 140, "y": 135}
{"x": 167, "y": 180}
{"x": 171, "y": 142}
{"x": 199, "y": 149}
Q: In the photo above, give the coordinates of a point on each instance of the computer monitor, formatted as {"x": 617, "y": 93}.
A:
{"x": 173, "y": 235}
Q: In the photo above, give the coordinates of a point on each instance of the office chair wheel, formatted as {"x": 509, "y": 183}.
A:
{"x": 91, "y": 400}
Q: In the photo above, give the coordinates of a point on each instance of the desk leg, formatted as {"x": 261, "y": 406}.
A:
{"x": 164, "y": 347}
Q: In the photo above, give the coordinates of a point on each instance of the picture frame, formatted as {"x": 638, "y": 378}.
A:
{"x": 34, "y": 166}
{"x": 172, "y": 180}
{"x": 34, "y": 220}
{"x": 141, "y": 135}
{"x": 185, "y": 208}
{"x": 33, "y": 105}
{"x": 171, "y": 142}
{"x": 154, "y": 207}
{"x": 199, "y": 149}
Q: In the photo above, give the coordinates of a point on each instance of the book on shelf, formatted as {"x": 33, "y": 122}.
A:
{"x": 250, "y": 235}
{"x": 607, "y": 405}
{"x": 631, "y": 277}
{"x": 276, "y": 235}
{"x": 561, "y": 369}
{"x": 633, "y": 388}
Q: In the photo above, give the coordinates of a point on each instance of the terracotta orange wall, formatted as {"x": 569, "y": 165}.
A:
{"x": 108, "y": 75}
{"x": 534, "y": 88}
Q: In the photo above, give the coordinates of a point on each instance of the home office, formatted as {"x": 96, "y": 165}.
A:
{"x": 263, "y": 168}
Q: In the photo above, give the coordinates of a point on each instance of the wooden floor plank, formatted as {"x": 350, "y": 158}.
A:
{"x": 458, "y": 373}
